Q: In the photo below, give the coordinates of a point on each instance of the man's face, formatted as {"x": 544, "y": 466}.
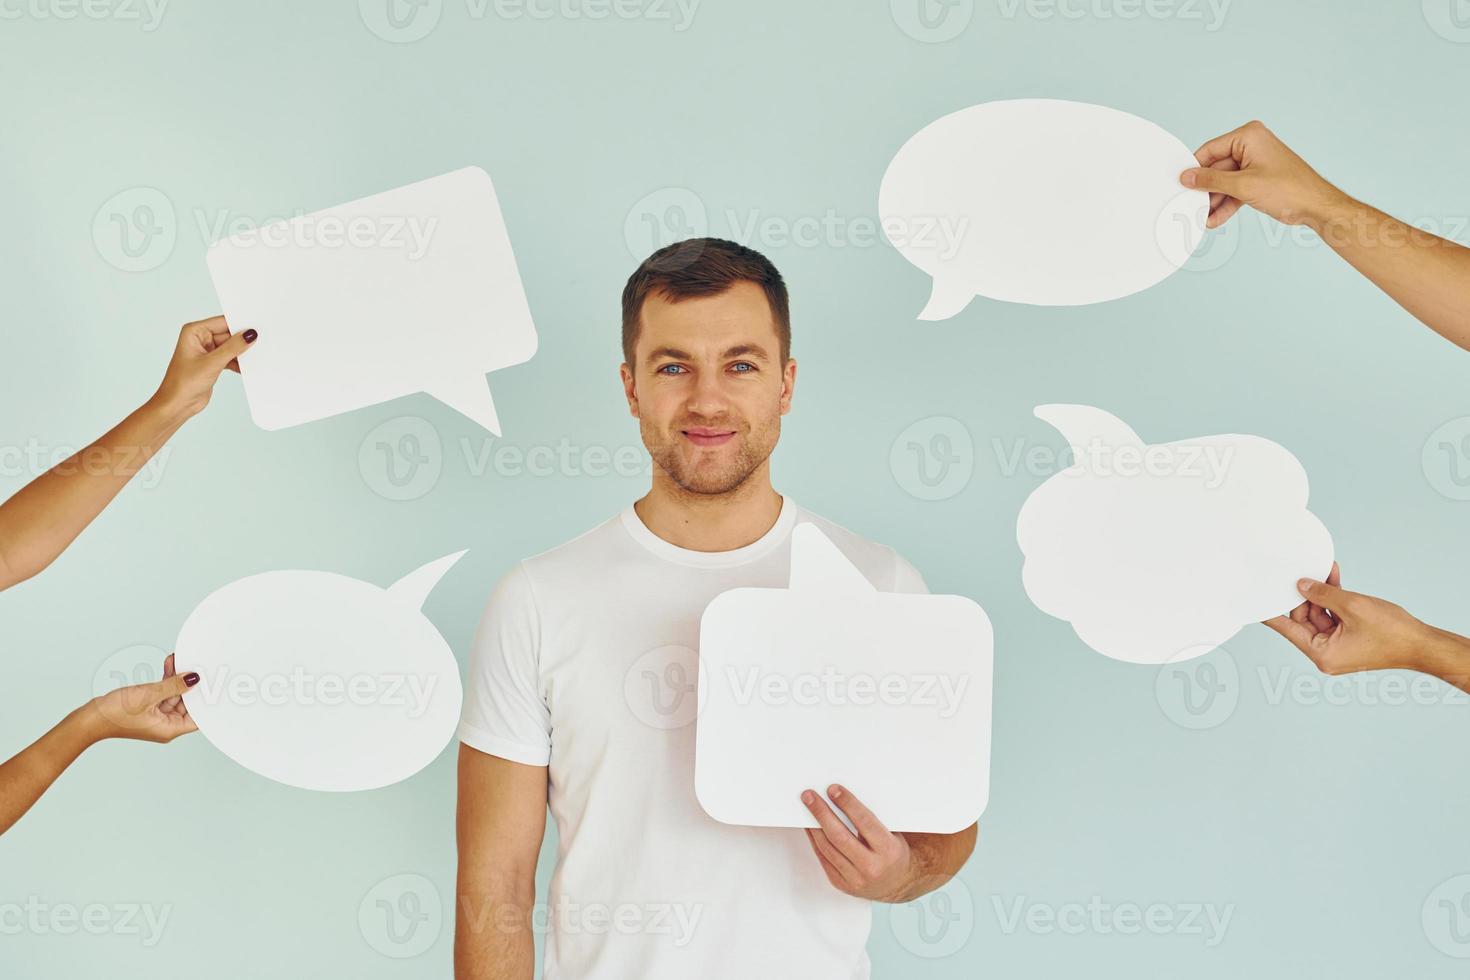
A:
{"x": 708, "y": 387}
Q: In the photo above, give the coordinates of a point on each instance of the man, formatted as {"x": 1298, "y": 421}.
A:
{"x": 1340, "y": 631}
{"x": 584, "y": 651}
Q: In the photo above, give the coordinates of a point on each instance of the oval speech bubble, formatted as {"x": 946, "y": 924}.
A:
{"x": 1041, "y": 201}
{"x": 321, "y": 681}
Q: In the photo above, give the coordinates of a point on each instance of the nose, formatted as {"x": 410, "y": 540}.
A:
{"x": 707, "y": 396}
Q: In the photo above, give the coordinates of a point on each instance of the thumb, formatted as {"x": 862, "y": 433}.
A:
{"x": 1225, "y": 182}
{"x": 1329, "y": 596}
{"x": 170, "y": 687}
{"x": 221, "y": 356}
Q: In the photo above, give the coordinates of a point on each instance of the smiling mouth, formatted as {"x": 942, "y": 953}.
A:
{"x": 705, "y": 437}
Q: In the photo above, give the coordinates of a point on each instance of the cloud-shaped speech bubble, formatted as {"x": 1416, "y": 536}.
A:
{"x": 321, "y": 681}
{"x": 1040, "y": 201}
{"x": 415, "y": 289}
{"x": 1150, "y": 551}
{"x": 832, "y": 681}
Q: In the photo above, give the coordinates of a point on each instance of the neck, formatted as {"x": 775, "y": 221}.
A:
{"x": 711, "y": 522}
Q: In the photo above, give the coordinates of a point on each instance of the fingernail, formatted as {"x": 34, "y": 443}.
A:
{"x": 250, "y": 336}
{"x": 834, "y": 791}
{"x": 190, "y": 679}
{"x": 1187, "y": 178}
{"x": 1304, "y": 585}
{"x": 808, "y": 797}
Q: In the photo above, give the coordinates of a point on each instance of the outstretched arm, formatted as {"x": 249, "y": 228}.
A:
{"x": 151, "y": 712}
{"x": 1427, "y": 275}
{"x": 46, "y": 515}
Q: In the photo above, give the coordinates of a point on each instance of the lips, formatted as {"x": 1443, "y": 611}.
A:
{"x": 706, "y": 437}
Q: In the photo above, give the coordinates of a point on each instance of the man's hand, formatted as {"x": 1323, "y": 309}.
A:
{"x": 1251, "y": 166}
{"x": 1343, "y": 632}
{"x": 876, "y": 863}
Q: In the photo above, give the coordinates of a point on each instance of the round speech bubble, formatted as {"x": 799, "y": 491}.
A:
{"x": 321, "y": 681}
{"x": 1041, "y": 201}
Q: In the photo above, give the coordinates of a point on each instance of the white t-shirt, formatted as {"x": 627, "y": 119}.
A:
{"x": 584, "y": 661}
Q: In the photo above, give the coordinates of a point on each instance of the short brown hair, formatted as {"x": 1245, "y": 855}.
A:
{"x": 703, "y": 267}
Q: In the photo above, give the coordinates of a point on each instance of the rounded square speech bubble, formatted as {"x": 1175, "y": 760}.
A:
{"x": 831, "y": 681}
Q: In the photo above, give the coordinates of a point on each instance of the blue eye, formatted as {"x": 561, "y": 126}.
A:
{"x": 743, "y": 367}
{"x": 670, "y": 369}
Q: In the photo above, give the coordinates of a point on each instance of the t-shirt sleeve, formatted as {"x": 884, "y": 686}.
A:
{"x": 505, "y": 712}
{"x": 906, "y": 577}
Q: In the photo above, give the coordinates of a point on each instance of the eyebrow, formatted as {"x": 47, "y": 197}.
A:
{"x": 739, "y": 350}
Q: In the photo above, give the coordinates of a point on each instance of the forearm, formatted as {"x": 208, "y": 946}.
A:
{"x": 1427, "y": 275}
{"x": 45, "y": 516}
{"x": 493, "y": 939}
{"x": 1446, "y": 655}
{"x": 28, "y": 775}
{"x": 934, "y": 859}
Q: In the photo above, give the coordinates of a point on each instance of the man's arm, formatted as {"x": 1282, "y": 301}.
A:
{"x": 46, "y": 515}
{"x": 1427, "y": 275}
{"x": 876, "y": 863}
{"x": 501, "y": 821}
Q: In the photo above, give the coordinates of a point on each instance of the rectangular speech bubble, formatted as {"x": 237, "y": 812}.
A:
{"x": 831, "y": 681}
{"x": 414, "y": 289}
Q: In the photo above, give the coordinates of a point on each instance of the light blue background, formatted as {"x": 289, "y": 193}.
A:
{"x": 1325, "y": 826}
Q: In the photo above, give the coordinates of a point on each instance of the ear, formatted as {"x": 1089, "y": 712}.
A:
{"x": 629, "y": 389}
{"x": 788, "y": 384}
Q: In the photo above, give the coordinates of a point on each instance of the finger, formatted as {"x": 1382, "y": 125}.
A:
{"x": 869, "y": 826}
{"x": 1332, "y": 597}
{"x": 1297, "y": 634}
{"x": 847, "y": 875}
{"x": 169, "y": 687}
{"x": 1334, "y": 577}
{"x": 168, "y": 666}
{"x": 1320, "y": 618}
{"x": 1225, "y": 182}
{"x": 837, "y": 833}
{"x": 1226, "y": 146}
{"x": 1226, "y": 210}
{"x": 226, "y": 352}
{"x": 1302, "y": 615}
